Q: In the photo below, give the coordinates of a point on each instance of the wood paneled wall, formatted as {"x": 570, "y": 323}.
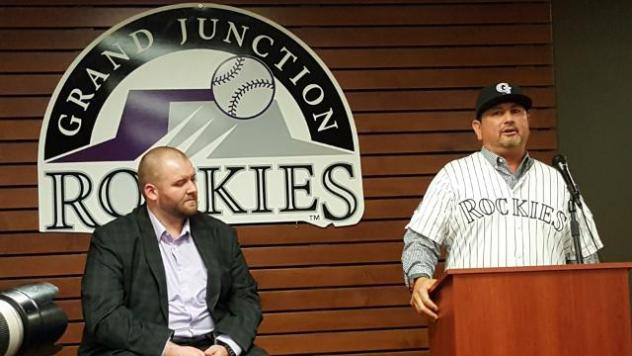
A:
{"x": 410, "y": 70}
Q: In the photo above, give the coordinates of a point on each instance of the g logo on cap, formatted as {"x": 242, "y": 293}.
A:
{"x": 503, "y": 88}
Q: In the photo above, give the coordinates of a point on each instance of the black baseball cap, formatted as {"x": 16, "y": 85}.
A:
{"x": 500, "y": 93}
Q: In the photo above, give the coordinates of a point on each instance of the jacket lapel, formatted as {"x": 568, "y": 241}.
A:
{"x": 153, "y": 257}
{"x": 204, "y": 237}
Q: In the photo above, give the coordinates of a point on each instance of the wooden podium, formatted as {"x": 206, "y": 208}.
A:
{"x": 578, "y": 310}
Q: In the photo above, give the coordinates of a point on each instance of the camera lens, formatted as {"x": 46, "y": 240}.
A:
{"x": 29, "y": 320}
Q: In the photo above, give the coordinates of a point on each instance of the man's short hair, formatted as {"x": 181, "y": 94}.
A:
{"x": 147, "y": 172}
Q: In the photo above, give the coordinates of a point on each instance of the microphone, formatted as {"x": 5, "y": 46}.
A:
{"x": 559, "y": 163}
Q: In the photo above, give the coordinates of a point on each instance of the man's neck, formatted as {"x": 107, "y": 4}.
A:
{"x": 513, "y": 157}
{"x": 172, "y": 224}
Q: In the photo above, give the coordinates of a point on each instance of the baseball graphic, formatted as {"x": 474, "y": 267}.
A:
{"x": 243, "y": 87}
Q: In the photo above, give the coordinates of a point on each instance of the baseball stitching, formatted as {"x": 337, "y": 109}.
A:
{"x": 232, "y": 73}
{"x": 243, "y": 89}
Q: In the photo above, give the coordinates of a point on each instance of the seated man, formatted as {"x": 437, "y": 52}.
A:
{"x": 167, "y": 279}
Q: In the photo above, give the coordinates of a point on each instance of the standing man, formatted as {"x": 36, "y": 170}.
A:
{"x": 497, "y": 207}
{"x": 167, "y": 279}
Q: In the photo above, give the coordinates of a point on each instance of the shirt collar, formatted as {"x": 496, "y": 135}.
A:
{"x": 500, "y": 163}
{"x": 160, "y": 230}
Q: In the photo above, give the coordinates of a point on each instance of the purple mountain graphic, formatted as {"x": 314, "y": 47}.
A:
{"x": 144, "y": 121}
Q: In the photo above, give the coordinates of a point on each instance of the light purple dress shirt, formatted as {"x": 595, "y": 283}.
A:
{"x": 186, "y": 284}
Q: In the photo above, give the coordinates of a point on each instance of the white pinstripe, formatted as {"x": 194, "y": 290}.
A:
{"x": 484, "y": 222}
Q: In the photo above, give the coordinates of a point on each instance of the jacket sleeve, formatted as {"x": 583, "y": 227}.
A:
{"x": 108, "y": 321}
{"x": 243, "y": 307}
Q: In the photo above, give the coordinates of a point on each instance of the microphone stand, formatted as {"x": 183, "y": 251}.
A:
{"x": 572, "y": 209}
{"x": 559, "y": 162}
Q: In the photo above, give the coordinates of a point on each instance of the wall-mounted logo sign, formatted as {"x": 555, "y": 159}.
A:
{"x": 260, "y": 115}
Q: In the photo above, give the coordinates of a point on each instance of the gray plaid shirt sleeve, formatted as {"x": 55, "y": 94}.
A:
{"x": 419, "y": 257}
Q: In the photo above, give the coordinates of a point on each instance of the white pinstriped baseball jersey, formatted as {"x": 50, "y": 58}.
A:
{"x": 484, "y": 222}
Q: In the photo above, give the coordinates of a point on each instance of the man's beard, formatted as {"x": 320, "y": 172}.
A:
{"x": 517, "y": 140}
{"x": 511, "y": 143}
{"x": 186, "y": 209}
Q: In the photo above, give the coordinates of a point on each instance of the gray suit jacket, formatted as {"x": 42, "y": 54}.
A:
{"x": 124, "y": 288}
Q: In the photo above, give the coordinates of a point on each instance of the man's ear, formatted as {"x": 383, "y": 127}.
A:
{"x": 151, "y": 192}
{"x": 476, "y": 126}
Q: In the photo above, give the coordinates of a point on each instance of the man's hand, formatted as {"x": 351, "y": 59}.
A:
{"x": 216, "y": 350}
{"x": 176, "y": 350}
{"x": 420, "y": 298}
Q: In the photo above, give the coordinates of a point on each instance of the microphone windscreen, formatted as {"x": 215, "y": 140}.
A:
{"x": 558, "y": 159}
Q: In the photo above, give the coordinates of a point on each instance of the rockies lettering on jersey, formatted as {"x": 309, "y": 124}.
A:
{"x": 523, "y": 208}
{"x": 484, "y": 222}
